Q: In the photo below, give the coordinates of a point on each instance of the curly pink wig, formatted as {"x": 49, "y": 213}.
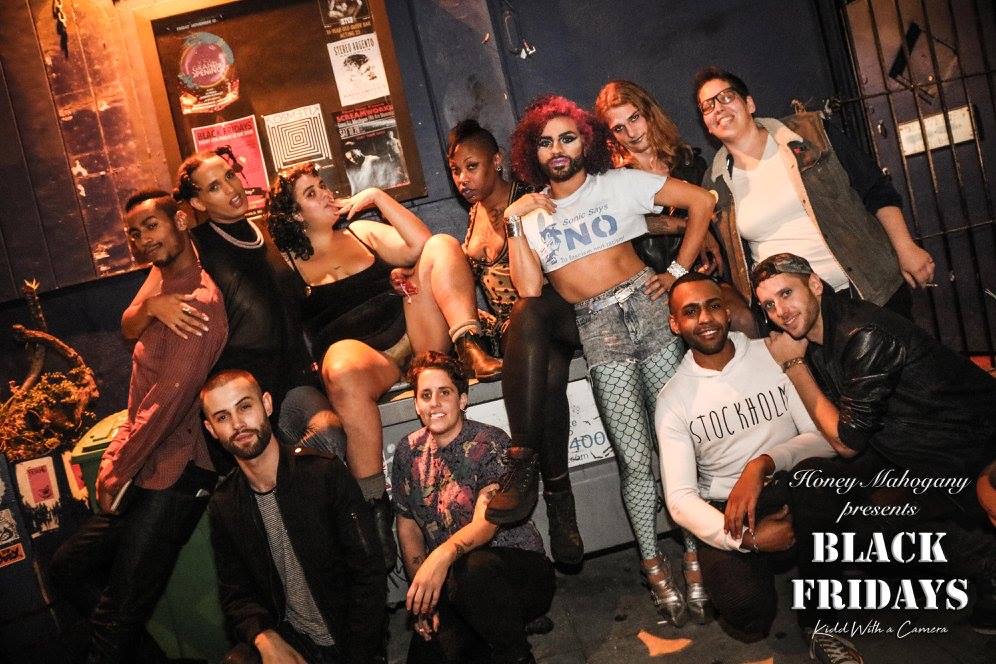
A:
{"x": 594, "y": 136}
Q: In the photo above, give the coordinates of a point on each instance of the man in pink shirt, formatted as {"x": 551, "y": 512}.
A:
{"x": 156, "y": 475}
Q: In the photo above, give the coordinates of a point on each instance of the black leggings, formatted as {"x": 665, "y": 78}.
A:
{"x": 487, "y": 600}
{"x": 539, "y": 344}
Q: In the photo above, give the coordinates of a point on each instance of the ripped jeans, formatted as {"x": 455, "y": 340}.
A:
{"x": 631, "y": 353}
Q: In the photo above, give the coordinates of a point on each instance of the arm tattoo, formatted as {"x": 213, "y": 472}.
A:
{"x": 412, "y": 564}
{"x": 460, "y": 548}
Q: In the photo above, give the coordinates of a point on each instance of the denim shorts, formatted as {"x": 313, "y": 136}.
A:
{"x": 623, "y": 324}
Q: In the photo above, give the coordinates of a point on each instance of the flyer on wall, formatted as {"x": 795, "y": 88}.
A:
{"x": 345, "y": 18}
{"x": 358, "y": 69}
{"x": 297, "y": 136}
{"x": 207, "y": 76}
{"x": 243, "y": 137}
{"x": 371, "y": 149}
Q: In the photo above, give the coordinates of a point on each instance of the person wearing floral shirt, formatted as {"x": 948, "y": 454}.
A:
{"x": 474, "y": 585}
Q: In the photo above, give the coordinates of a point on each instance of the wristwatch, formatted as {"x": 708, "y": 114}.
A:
{"x": 513, "y": 226}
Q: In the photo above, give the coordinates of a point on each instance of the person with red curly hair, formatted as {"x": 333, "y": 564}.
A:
{"x": 577, "y": 231}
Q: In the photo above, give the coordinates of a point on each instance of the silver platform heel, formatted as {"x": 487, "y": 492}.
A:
{"x": 668, "y": 600}
{"x": 696, "y": 596}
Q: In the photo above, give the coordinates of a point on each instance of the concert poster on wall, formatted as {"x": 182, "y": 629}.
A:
{"x": 242, "y": 137}
{"x": 297, "y": 136}
{"x": 269, "y": 79}
{"x": 207, "y": 77}
{"x": 358, "y": 69}
{"x": 343, "y": 19}
{"x": 374, "y": 155}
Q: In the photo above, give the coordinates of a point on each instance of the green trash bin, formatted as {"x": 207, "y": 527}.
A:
{"x": 188, "y": 620}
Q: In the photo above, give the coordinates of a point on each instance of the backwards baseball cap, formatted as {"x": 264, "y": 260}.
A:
{"x": 784, "y": 263}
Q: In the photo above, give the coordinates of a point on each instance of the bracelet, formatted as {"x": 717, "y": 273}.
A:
{"x": 753, "y": 541}
{"x": 676, "y": 270}
{"x": 513, "y": 226}
{"x": 788, "y": 364}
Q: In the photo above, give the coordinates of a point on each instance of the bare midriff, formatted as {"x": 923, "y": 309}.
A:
{"x": 592, "y": 275}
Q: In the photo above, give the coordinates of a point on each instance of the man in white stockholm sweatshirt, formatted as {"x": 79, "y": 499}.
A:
{"x": 726, "y": 421}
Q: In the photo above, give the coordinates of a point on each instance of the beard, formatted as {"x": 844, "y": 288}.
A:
{"x": 255, "y": 448}
{"x": 574, "y": 167}
{"x": 710, "y": 347}
{"x": 165, "y": 261}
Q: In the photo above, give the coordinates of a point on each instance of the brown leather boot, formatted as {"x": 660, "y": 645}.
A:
{"x": 476, "y": 361}
{"x": 566, "y": 545}
{"x": 518, "y": 488}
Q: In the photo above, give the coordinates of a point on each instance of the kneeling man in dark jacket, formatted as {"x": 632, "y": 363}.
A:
{"x": 914, "y": 423}
{"x": 299, "y": 571}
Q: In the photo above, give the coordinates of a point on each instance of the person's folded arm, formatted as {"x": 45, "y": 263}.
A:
{"x": 523, "y": 261}
{"x": 426, "y": 586}
{"x": 400, "y": 242}
{"x": 872, "y": 363}
{"x": 136, "y": 317}
{"x": 787, "y": 454}
{"x": 411, "y": 541}
{"x": 700, "y": 204}
{"x": 184, "y": 366}
{"x": 866, "y": 178}
{"x": 823, "y": 412}
{"x": 881, "y": 200}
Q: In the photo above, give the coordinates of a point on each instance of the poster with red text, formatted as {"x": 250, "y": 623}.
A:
{"x": 242, "y": 136}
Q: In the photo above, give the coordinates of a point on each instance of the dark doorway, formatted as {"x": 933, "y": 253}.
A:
{"x": 924, "y": 68}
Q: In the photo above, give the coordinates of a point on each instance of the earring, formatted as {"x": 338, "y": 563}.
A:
{"x": 498, "y": 168}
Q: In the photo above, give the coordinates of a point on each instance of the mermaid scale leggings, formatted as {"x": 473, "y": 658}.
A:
{"x": 625, "y": 393}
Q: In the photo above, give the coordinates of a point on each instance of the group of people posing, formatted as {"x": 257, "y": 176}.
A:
{"x": 280, "y": 345}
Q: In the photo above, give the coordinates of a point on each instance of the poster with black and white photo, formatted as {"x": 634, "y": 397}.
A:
{"x": 371, "y": 149}
{"x": 345, "y": 18}
{"x": 358, "y": 69}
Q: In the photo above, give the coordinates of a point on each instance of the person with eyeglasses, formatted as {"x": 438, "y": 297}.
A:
{"x": 798, "y": 185}
{"x": 643, "y": 136}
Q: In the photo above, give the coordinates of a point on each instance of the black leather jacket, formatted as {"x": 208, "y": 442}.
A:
{"x": 332, "y": 532}
{"x": 916, "y": 402}
{"x": 658, "y": 251}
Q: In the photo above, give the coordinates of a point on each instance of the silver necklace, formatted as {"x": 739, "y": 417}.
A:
{"x": 254, "y": 244}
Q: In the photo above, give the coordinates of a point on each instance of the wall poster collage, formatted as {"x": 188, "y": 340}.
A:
{"x": 308, "y": 80}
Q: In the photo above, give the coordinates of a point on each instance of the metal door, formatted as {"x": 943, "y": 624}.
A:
{"x": 924, "y": 68}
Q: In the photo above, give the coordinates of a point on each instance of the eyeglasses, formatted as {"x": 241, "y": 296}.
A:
{"x": 724, "y": 97}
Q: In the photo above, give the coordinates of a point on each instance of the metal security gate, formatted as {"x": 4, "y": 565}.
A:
{"x": 926, "y": 88}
